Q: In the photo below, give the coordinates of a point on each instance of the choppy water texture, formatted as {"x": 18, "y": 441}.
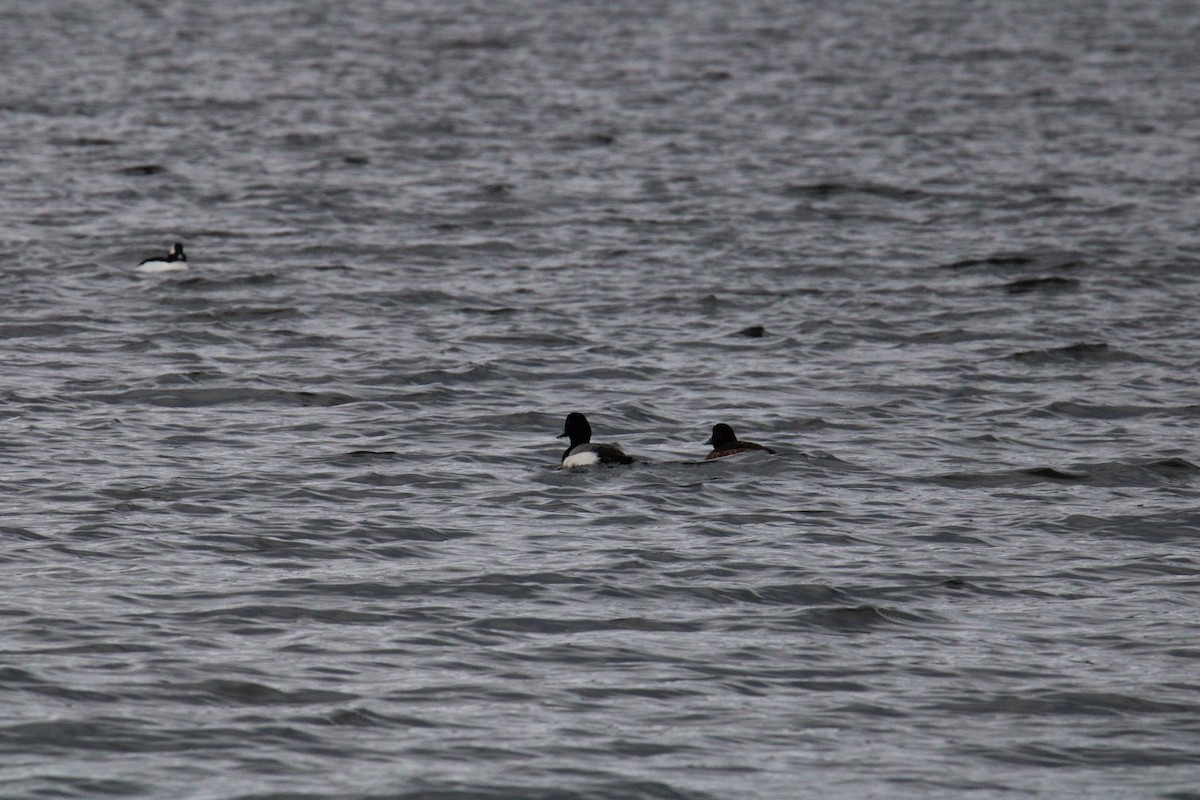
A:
{"x": 289, "y": 524}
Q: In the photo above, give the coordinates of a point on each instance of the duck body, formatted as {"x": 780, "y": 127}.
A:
{"x": 581, "y": 452}
{"x": 725, "y": 443}
{"x": 174, "y": 260}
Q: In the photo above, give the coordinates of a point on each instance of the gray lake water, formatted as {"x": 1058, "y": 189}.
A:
{"x": 289, "y": 524}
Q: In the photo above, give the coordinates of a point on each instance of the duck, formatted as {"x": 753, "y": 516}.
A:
{"x": 725, "y": 443}
{"x": 174, "y": 260}
{"x": 581, "y": 452}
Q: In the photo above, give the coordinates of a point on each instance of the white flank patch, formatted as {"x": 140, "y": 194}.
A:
{"x": 162, "y": 266}
{"x": 584, "y": 459}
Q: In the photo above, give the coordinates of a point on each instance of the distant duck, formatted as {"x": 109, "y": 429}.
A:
{"x": 725, "y": 443}
{"x": 174, "y": 260}
{"x": 581, "y": 452}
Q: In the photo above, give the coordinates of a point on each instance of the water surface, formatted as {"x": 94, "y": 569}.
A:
{"x": 288, "y": 524}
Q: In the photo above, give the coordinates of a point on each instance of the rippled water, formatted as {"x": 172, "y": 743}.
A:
{"x": 288, "y": 524}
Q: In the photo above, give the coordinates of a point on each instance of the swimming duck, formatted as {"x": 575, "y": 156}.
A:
{"x": 725, "y": 443}
{"x": 581, "y": 452}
